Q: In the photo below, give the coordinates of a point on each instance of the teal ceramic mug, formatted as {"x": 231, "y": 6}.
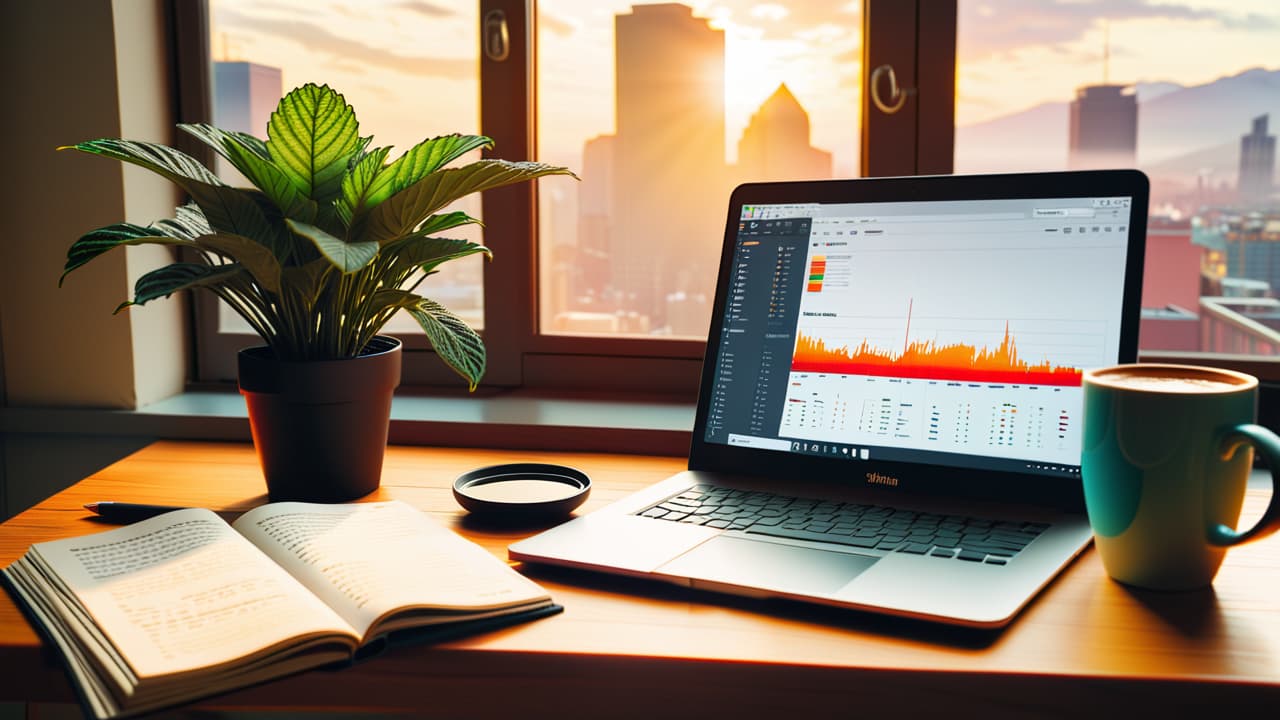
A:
{"x": 1167, "y": 455}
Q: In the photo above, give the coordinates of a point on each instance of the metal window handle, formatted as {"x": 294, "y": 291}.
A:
{"x": 495, "y": 37}
{"x": 897, "y": 96}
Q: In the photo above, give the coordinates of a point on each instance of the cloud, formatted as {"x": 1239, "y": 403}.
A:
{"x": 426, "y": 8}
{"x": 321, "y": 40}
{"x": 770, "y": 11}
{"x": 825, "y": 32}
{"x": 785, "y": 19}
{"x": 995, "y": 27}
{"x": 556, "y": 24}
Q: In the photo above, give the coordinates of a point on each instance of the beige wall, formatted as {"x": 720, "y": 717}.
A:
{"x": 76, "y": 71}
{"x": 145, "y": 79}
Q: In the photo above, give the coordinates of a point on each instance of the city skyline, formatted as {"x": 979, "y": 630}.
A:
{"x": 647, "y": 248}
{"x": 1013, "y": 55}
{"x": 778, "y": 74}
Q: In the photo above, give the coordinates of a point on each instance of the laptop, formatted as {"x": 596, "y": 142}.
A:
{"x": 889, "y": 417}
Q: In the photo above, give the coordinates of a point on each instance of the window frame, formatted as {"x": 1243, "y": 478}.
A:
{"x": 917, "y": 37}
{"x": 518, "y": 354}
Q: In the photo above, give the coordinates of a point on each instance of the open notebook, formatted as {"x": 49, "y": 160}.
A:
{"x": 183, "y": 605}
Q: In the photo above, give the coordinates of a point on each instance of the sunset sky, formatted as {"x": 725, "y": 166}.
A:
{"x": 409, "y": 66}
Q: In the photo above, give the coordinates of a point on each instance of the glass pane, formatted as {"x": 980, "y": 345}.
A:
{"x": 410, "y": 70}
{"x": 662, "y": 109}
{"x": 1190, "y": 94}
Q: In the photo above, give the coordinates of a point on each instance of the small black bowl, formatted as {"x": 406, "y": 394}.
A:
{"x": 522, "y": 492}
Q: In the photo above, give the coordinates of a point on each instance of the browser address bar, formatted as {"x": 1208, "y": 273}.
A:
{"x": 1073, "y": 212}
{"x": 961, "y": 217}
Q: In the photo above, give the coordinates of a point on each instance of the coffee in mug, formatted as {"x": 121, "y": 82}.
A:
{"x": 1166, "y": 458}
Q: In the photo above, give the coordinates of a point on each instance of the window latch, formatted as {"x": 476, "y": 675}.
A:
{"x": 897, "y": 96}
{"x": 495, "y": 37}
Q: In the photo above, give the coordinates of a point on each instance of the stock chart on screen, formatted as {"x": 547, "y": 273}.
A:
{"x": 895, "y": 330}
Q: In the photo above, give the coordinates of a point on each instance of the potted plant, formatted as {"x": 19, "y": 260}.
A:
{"x": 330, "y": 242}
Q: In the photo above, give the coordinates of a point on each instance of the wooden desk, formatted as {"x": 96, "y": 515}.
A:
{"x": 636, "y": 649}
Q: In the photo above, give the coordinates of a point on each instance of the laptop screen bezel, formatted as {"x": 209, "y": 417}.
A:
{"x": 934, "y": 480}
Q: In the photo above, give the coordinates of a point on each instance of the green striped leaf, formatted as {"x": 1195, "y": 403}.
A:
{"x": 249, "y": 155}
{"x": 307, "y": 281}
{"x": 174, "y": 165}
{"x": 420, "y": 161}
{"x": 445, "y": 221}
{"x": 178, "y": 276}
{"x": 226, "y": 209}
{"x": 235, "y": 211}
{"x": 101, "y": 240}
{"x": 312, "y": 136}
{"x": 347, "y": 257}
{"x": 401, "y": 213}
{"x": 433, "y": 225}
{"x": 356, "y": 184}
{"x": 187, "y": 223}
{"x": 427, "y": 253}
{"x": 252, "y": 256}
{"x": 453, "y": 340}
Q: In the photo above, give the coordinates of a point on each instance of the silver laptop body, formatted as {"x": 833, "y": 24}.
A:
{"x": 890, "y": 411}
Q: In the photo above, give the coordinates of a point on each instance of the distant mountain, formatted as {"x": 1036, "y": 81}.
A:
{"x": 1215, "y": 163}
{"x": 1151, "y": 90}
{"x": 1033, "y": 139}
{"x": 1181, "y": 130}
{"x": 1206, "y": 115}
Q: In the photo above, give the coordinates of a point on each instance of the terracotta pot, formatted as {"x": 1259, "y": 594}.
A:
{"x": 320, "y": 427}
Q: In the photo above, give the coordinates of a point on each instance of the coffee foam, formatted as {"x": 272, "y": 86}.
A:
{"x": 1171, "y": 380}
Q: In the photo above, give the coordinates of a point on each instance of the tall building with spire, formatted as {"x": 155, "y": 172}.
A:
{"x": 1257, "y": 164}
{"x": 669, "y": 184}
{"x": 1104, "y": 128}
{"x": 775, "y": 145}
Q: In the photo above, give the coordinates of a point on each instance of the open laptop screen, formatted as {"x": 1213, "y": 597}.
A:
{"x": 941, "y": 332}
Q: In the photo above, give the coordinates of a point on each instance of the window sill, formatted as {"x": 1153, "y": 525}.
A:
{"x": 518, "y": 420}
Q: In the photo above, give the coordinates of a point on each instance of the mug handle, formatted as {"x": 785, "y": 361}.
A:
{"x": 1268, "y": 444}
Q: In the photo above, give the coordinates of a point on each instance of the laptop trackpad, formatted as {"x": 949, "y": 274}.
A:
{"x": 769, "y": 566}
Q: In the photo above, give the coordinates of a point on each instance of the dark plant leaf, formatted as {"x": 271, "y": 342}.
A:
{"x": 453, "y": 340}
{"x": 252, "y": 256}
{"x": 306, "y": 280}
{"x": 401, "y": 213}
{"x": 249, "y": 155}
{"x": 235, "y": 211}
{"x": 101, "y": 240}
{"x": 426, "y": 253}
{"x": 179, "y": 276}
{"x": 347, "y": 257}
{"x": 226, "y": 209}
{"x": 187, "y": 223}
{"x": 175, "y": 165}
{"x": 445, "y": 221}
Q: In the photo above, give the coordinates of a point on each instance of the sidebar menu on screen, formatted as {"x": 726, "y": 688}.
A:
{"x": 753, "y": 358}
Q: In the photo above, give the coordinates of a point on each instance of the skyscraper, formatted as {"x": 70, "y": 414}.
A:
{"x": 1257, "y": 164}
{"x": 595, "y": 214}
{"x": 1104, "y": 128}
{"x": 670, "y": 183}
{"x": 244, "y": 96}
{"x": 775, "y": 145}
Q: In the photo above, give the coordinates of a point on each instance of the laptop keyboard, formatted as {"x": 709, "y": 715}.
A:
{"x": 876, "y": 527}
